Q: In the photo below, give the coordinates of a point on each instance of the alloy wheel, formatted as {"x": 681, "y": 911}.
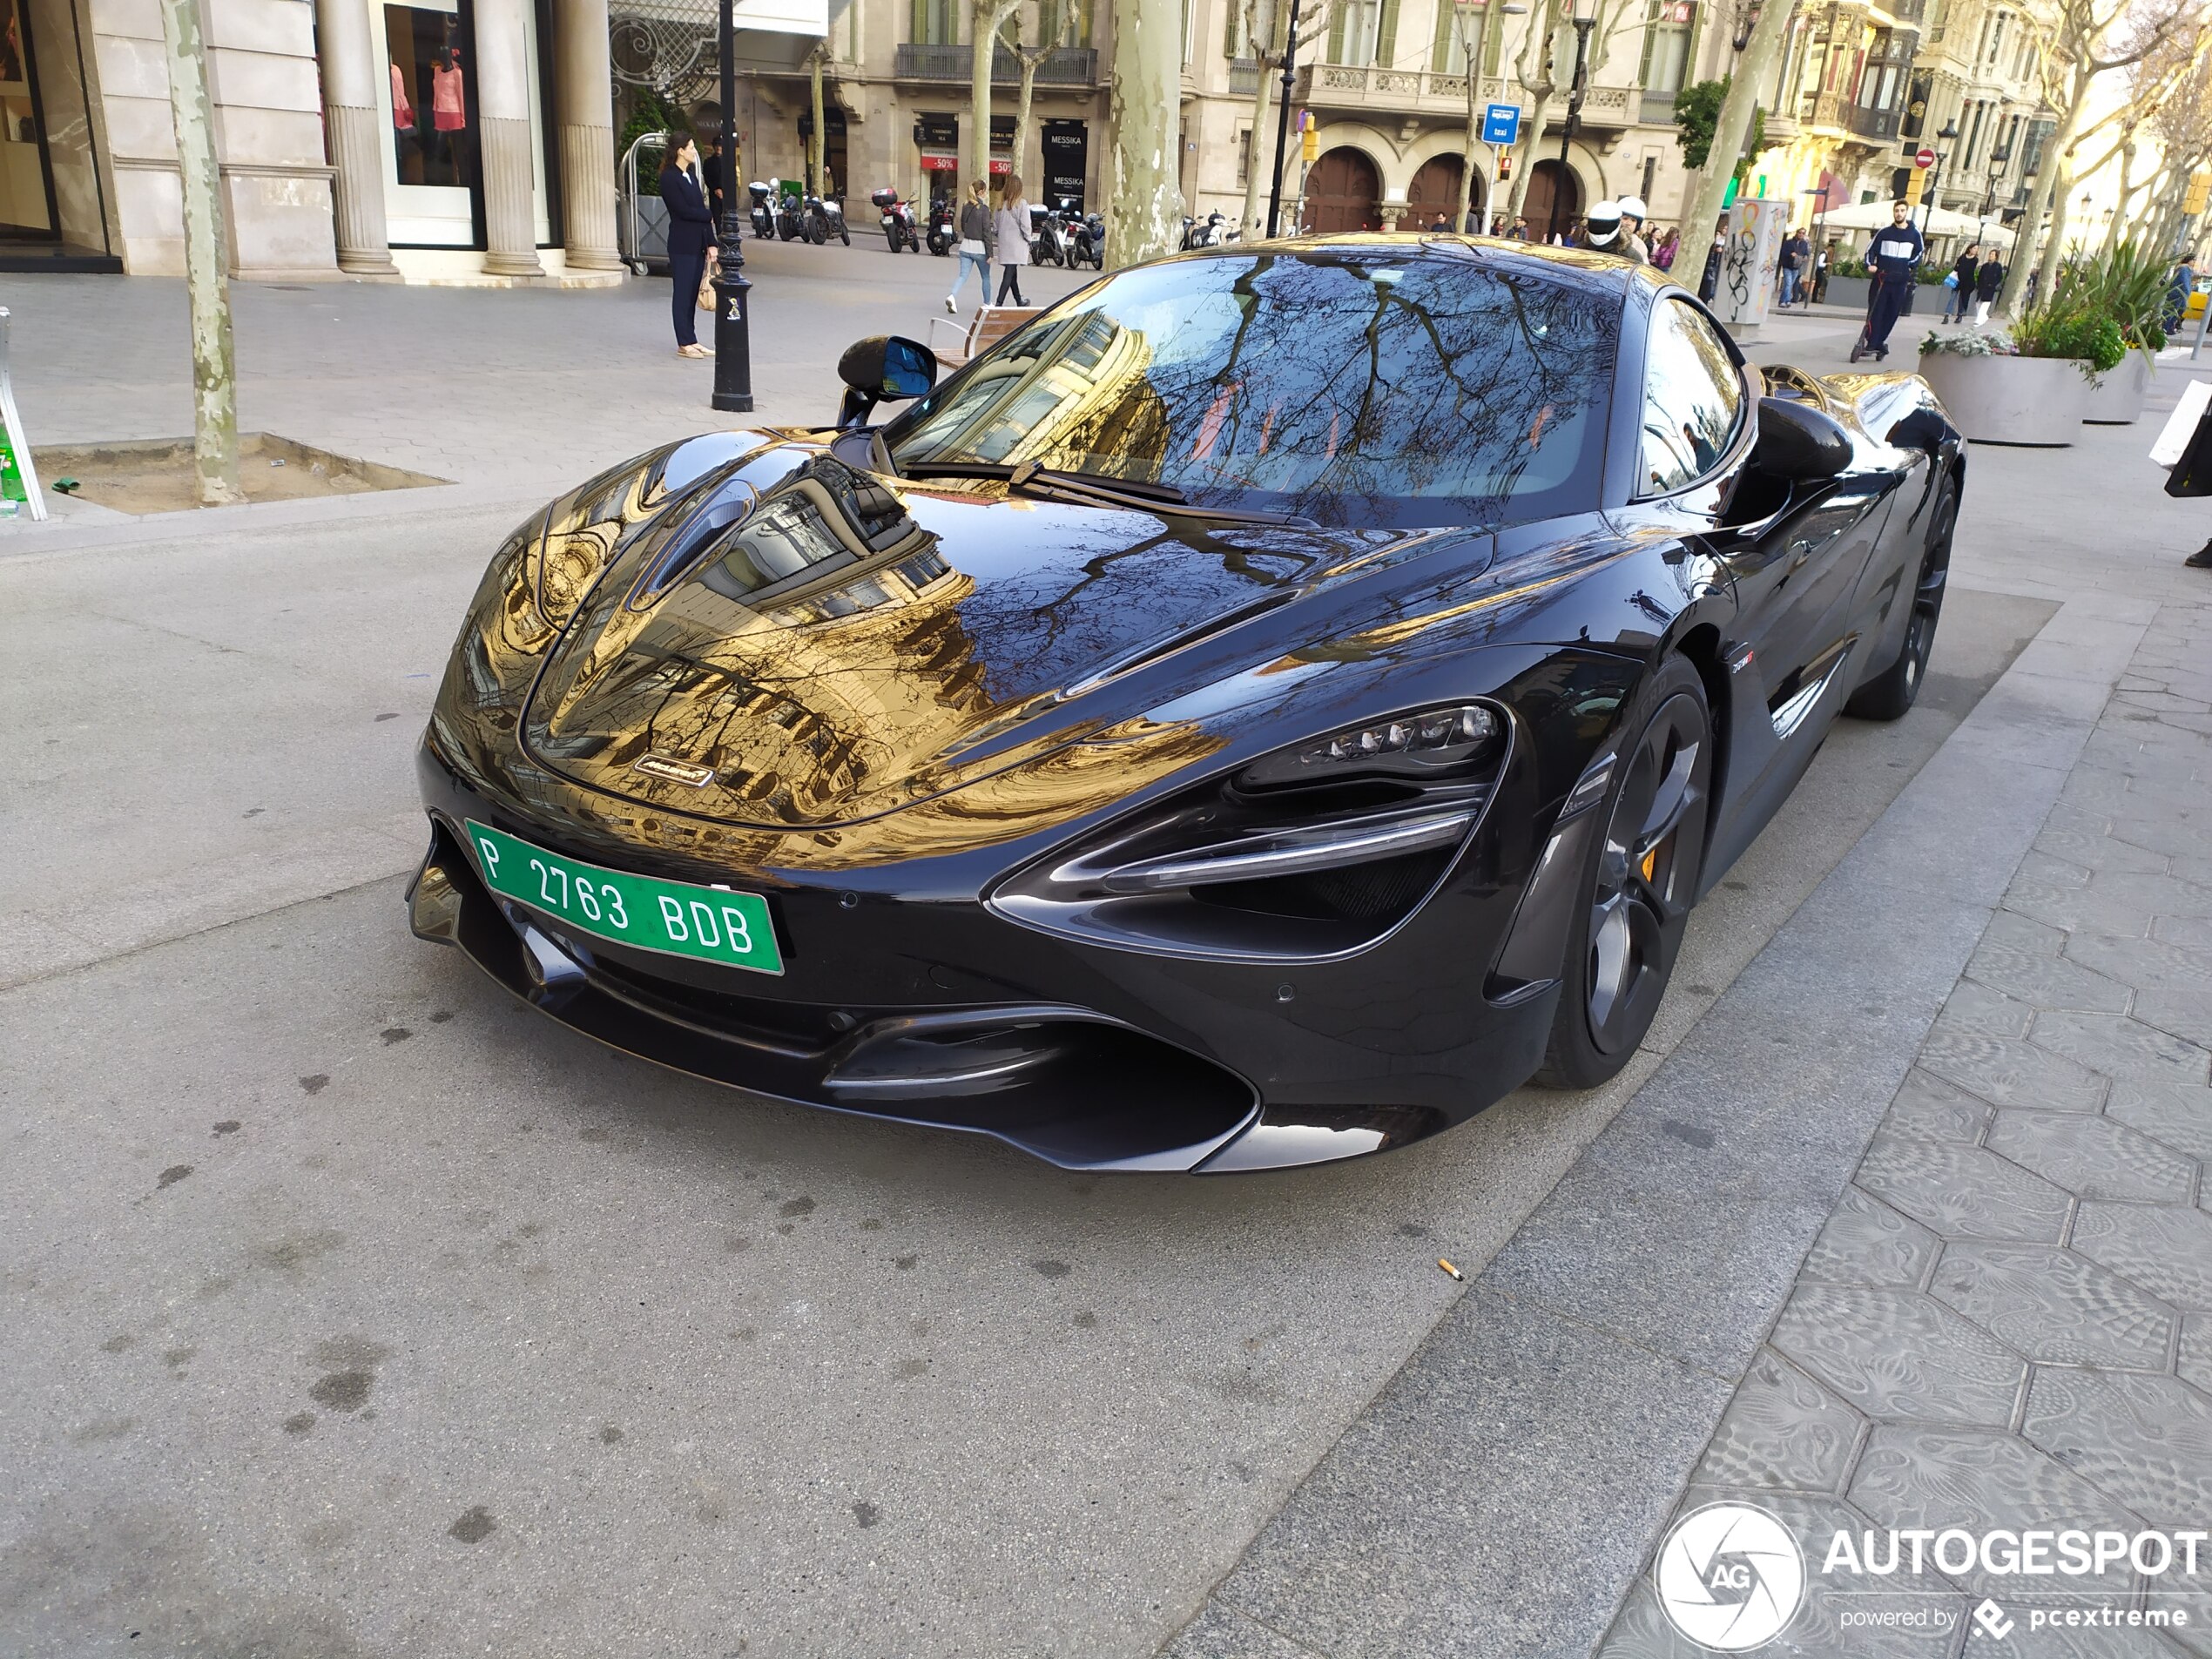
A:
{"x": 1641, "y": 895}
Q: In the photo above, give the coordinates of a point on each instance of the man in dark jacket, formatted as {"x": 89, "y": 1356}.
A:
{"x": 1892, "y": 259}
{"x": 1797, "y": 256}
{"x": 2176, "y": 309}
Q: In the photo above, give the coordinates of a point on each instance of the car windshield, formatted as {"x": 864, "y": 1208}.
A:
{"x": 1354, "y": 386}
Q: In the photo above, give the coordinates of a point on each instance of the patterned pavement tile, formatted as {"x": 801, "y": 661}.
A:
{"x": 1928, "y": 1109}
{"x": 2120, "y": 1046}
{"x": 2143, "y": 1441}
{"x": 2094, "y": 850}
{"x": 2054, "y": 1307}
{"x": 1982, "y": 1480}
{"x": 2163, "y": 1248}
{"x": 2195, "y": 1362}
{"x": 2007, "y": 1072}
{"x": 2185, "y": 1014}
{"x": 2046, "y": 982}
{"x": 1866, "y": 1242}
{"x": 1975, "y": 1006}
{"x": 1963, "y": 1191}
{"x": 2178, "y": 1114}
{"x": 2191, "y": 932}
{"x": 1782, "y": 1430}
{"x": 1894, "y": 1352}
{"x": 2010, "y": 931}
{"x": 2093, "y": 1157}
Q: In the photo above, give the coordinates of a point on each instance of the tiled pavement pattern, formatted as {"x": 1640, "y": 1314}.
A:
{"x": 2007, "y": 1321}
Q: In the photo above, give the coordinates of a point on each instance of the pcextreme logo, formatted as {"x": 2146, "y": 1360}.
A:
{"x": 1730, "y": 1576}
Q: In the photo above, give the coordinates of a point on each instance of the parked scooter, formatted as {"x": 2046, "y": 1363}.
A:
{"x": 1047, "y": 236}
{"x": 823, "y": 218}
{"x": 764, "y": 215}
{"x": 790, "y": 222}
{"x": 897, "y": 220}
{"x": 1212, "y": 231}
{"x": 1087, "y": 241}
{"x": 944, "y": 236}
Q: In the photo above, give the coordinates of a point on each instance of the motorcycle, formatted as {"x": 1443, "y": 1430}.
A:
{"x": 943, "y": 236}
{"x": 1213, "y": 233}
{"x": 1048, "y": 237}
{"x": 1087, "y": 241}
{"x": 764, "y": 215}
{"x": 897, "y": 220}
{"x": 790, "y": 226}
{"x": 823, "y": 218}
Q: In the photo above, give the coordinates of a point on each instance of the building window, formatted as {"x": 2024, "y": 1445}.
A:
{"x": 1665, "y": 45}
{"x": 1459, "y": 36}
{"x": 1074, "y": 14}
{"x": 1364, "y": 31}
{"x": 934, "y": 23}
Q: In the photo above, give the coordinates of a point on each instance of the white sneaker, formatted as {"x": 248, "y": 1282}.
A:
{"x": 951, "y": 310}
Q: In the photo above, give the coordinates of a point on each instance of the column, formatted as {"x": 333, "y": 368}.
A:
{"x": 351, "y": 122}
{"x": 503, "y": 113}
{"x": 584, "y": 82}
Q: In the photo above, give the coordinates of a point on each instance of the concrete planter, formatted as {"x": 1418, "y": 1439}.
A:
{"x": 2010, "y": 400}
{"x": 2116, "y": 396}
{"x": 1847, "y": 291}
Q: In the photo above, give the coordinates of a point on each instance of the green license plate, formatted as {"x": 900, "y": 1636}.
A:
{"x": 676, "y": 917}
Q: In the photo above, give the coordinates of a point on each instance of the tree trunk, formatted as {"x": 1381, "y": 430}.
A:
{"x": 1271, "y": 65}
{"x": 2119, "y": 225}
{"x": 214, "y": 423}
{"x": 1469, "y": 218}
{"x": 1752, "y": 71}
{"x": 1524, "y": 154}
{"x": 1536, "y": 74}
{"x": 1030, "y": 57}
{"x": 975, "y": 140}
{"x": 2039, "y": 203}
{"x": 1145, "y": 195}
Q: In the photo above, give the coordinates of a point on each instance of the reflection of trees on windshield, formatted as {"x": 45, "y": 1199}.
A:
{"x": 1341, "y": 386}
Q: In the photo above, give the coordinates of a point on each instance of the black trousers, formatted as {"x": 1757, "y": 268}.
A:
{"x": 1009, "y": 281}
{"x": 686, "y": 271}
{"x": 1881, "y": 314}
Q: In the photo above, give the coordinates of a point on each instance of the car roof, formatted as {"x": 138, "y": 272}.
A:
{"x": 1584, "y": 268}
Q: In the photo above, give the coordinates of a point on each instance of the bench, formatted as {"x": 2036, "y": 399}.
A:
{"x": 980, "y": 333}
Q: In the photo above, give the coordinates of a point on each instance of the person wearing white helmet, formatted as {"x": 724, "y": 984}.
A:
{"x": 1601, "y": 227}
{"x": 1633, "y": 213}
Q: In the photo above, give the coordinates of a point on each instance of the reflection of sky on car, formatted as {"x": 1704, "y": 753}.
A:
{"x": 1345, "y": 386}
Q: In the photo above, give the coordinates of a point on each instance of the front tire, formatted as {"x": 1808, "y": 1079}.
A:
{"x": 1893, "y": 693}
{"x": 1638, "y": 883}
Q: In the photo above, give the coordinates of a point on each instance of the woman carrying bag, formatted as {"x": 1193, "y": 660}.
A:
{"x": 2185, "y": 448}
{"x": 974, "y": 247}
{"x": 1012, "y": 227}
{"x": 690, "y": 240}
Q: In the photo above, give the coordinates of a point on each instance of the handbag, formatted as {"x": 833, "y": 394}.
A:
{"x": 2178, "y": 437}
{"x": 706, "y": 291}
{"x": 1950, "y": 280}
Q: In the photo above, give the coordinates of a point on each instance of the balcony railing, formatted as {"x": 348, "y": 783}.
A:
{"x": 1417, "y": 92}
{"x": 1879, "y": 125}
{"x": 1656, "y": 109}
{"x": 1063, "y": 66}
{"x": 1244, "y": 77}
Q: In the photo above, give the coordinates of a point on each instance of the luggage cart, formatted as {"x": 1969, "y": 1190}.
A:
{"x": 641, "y": 221}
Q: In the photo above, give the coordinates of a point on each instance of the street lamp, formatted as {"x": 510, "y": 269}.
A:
{"x": 1950, "y": 131}
{"x": 732, "y": 323}
{"x": 1282, "y": 120}
{"x": 1747, "y": 19}
{"x": 2000, "y": 158}
{"x": 1584, "y": 16}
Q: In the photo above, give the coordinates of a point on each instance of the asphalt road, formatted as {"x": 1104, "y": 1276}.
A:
{"x": 355, "y": 1309}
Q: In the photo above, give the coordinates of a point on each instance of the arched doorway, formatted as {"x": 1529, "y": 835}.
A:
{"x": 1536, "y": 206}
{"x": 1435, "y": 190}
{"x": 1344, "y": 193}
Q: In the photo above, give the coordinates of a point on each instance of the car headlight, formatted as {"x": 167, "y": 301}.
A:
{"x": 1313, "y": 850}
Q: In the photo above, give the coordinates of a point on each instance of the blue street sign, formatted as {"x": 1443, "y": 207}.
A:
{"x": 1501, "y": 124}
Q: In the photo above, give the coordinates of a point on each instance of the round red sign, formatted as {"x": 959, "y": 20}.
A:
{"x": 1926, "y": 158}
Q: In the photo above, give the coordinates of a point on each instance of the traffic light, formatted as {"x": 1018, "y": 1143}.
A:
{"x": 1914, "y": 186}
{"x": 2200, "y": 192}
{"x": 1309, "y": 137}
{"x": 1504, "y": 167}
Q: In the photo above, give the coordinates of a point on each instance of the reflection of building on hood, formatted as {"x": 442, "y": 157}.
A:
{"x": 1601, "y": 227}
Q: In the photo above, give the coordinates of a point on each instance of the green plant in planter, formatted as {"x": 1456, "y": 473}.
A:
{"x": 2126, "y": 282}
{"x": 2066, "y": 328}
{"x": 1993, "y": 342}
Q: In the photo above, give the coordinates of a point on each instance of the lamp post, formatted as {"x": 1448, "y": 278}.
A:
{"x": 1585, "y": 19}
{"x": 1283, "y": 120}
{"x": 1927, "y": 195}
{"x": 2000, "y": 158}
{"x": 732, "y": 322}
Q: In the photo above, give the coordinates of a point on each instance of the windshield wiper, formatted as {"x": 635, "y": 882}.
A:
{"x": 1097, "y": 488}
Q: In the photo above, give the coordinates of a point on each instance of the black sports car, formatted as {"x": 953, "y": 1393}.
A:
{"x": 1279, "y": 700}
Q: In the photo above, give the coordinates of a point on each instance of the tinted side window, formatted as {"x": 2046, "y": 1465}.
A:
{"x": 1692, "y": 395}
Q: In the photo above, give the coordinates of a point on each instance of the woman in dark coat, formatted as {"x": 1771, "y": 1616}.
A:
{"x": 690, "y": 240}
{"x": 1987, "y": 281}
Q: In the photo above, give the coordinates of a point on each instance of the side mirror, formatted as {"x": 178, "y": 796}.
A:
{"x": 1798, "y": 442}
{"x": 882, "y": 369}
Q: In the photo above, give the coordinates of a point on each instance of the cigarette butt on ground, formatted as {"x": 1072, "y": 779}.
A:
{"x": 1448, "y": 1268}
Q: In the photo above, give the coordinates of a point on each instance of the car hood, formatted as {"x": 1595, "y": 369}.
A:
{"x": 833, "y": 645}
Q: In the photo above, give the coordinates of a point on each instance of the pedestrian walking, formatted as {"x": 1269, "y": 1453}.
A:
{"x": 1796, "y": 252}
{"x": 1958, "y": 286}
{"x": 2176, "y": 309}
{"x": 1710, "y": 284}
{"x": 2191, "y": 475}
{"x": 974, "y": 247}
{"x": 1987, "y": 280}
{"x": 1892, "y": 257}
{"x": 690, "y": 240}
{"x": 1664, "y": 251}
{"x": 1011, "y": 239}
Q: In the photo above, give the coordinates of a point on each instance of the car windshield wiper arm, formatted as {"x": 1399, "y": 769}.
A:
{"x": 1097, "y": 487}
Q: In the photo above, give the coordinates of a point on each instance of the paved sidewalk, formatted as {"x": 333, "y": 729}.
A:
{"x": 2008, "y": 1320}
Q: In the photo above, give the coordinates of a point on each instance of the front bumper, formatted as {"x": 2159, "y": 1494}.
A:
{"x": 916, "y": 1007}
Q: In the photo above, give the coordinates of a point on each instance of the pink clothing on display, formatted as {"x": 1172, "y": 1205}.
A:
{"x": 402, "y": 111}
{"x": 445, "y": 112}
